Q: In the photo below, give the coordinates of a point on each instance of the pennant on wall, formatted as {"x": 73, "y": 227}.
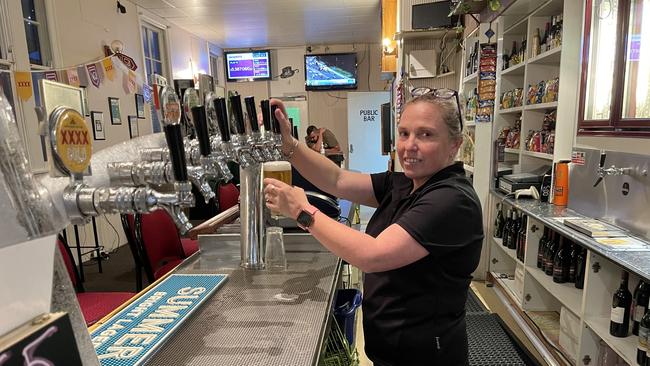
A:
{"x": 100, "y": 72}
{"x": 146, "y": 93}
{"x": 73, "y": 77}
{"x": 24, "y": 84}
{"x": 93, "y": 75}
{"x": 108, "y": 68}
{"x": 83, "y": 77}
{"x": 129, "y": 82}
{"x": 127, "y": 61}
{"x": 51, "y": 75}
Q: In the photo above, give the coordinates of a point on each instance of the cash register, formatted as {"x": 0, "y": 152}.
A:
{"x": 511, "y": 183}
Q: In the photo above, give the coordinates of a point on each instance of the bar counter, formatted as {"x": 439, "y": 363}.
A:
{"x": 257, "y": 317}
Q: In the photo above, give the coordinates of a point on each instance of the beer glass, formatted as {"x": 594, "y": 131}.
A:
{"x": 280, "y": 170}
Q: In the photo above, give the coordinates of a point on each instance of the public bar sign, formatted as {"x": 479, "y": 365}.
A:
{"x": 134, "y": 334}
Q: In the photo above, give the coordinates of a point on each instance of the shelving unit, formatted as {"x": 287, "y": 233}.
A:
{"x": 624, "y": 347}
{"x": 566, "y": 294}
{"x": 509, "y": 252}
{"x": 537, "y": 155}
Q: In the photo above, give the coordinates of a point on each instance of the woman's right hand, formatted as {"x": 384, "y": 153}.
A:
{"x": 285, "y": 125}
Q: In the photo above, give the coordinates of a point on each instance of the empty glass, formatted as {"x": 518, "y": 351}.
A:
{"x": 274, "y": 256}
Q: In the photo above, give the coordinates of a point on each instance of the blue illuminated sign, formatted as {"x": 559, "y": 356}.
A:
{"x": 134, "y": 334}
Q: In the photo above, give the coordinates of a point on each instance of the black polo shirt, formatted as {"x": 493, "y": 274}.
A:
{"x": 415, "y": 315}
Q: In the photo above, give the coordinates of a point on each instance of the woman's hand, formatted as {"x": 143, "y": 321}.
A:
{"x": 283, "y": 198}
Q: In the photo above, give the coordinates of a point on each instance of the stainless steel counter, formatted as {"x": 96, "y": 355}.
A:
{"x": 257, "y": 317}
{"x": 635, "y": 261}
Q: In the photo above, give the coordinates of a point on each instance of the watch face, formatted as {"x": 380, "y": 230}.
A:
{"x": 305, "y": 219}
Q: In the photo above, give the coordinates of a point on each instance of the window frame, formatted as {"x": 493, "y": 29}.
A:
{"x": 43, "y": 29}
{"x": 146, "y": 25}
{"x": 616, "y": 125}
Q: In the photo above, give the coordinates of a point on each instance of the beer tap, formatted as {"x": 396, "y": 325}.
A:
{"x": 240, "y": 147}
{"x": 602, "y": 172}
{"x": 273, "y": 139}
{"x": 81, "y": 201}
{"x": 218, "y": 158}
{"x": 257, "y": 143}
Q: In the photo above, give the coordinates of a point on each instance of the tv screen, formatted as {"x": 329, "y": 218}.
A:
{"x": 432, "y": 15}
{"x": 331, "y": 71}
{"x": 248, "y": 66}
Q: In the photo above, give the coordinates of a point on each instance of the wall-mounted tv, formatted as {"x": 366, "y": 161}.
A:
{"x": 248, "y": 65}
{"x": 331, "y": 71}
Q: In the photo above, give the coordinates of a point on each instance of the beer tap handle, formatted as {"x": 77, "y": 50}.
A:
{"x": 266, "y": 114}
{"x": 601, "y": 164}
{"x": 252, "y": 113}
{"x": 171, "y": 108}
{"x": 201, "y": 127}
{"x": 274, "y": 120}
{"x": 238, "y": 113}
{"x": 222, "y": 118}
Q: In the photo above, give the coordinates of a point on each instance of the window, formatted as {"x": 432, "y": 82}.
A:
{"x": 38, "y": 40}
{"x": 154, "y": 50}
{"x": 214, "y": 69}
{"x": 615, "y": 86}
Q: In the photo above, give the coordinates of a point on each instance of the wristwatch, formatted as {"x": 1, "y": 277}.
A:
{"x": 306, "y": 217}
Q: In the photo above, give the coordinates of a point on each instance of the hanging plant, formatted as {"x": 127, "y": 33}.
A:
{"x": 494, "y": 4}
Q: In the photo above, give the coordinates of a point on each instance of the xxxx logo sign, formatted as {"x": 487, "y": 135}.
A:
{"x": 73, "y": 143}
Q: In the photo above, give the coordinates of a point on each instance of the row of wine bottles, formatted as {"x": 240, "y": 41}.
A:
{"x": 561, "y": 258}
{"x": 512, "y": 229}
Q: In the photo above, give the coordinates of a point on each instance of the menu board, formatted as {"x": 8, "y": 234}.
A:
{"x": 254, "y": 65}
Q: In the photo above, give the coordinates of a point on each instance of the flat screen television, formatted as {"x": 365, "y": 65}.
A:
{"x": 248, "y": 65}
{"x": 432, "y": 15}
{"x": 331, "y": 71}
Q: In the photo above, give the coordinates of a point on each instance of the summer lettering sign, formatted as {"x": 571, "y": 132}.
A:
{"x": 134, "y": 334}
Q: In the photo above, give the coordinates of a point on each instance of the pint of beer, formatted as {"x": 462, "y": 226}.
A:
{"x": 280, "y": 170}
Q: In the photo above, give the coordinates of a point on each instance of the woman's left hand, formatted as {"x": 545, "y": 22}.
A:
{"x": 283, "y": 198}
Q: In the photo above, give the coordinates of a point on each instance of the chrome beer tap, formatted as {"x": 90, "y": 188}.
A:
{"x": 258, "y": 145}
{"x": 272, "y": 137}
{"x": 603, "y": 172}
{"x": 242, "y": 147}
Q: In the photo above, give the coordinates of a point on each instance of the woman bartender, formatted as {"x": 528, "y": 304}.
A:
{"x": 420, "y": 246}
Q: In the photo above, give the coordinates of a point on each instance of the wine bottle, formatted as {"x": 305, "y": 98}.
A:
{"x": 540, "y": 248}
{"x": 640, "y": 304}
{"x": 499, "y": 222}
{"x": 560, "y": 262}
{"x": 581, "y": 270}
{"x": 513, "y": 54}
{"x": 547, "y": 246}
{"x": 506, "y": 227}
{"x": 521, "y": 238}
{"x": 619, "y": 324}
{"x": 544, "y": 46}
{"x": 642, "y": 349}
{"x": 572, "y": 266}
{"x": 552, "y": 249}
{"x": 514, "y": 229}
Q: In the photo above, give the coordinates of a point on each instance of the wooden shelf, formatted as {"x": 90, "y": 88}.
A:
{"x": 551, "y": 57}
{"x": 533, "y": 107}
{"x": 566, "y": 293}
{"x": 511, "y": 110}
{"x": 511, "y": 151}
{"x": 518, "y": 28}
{"x": 445, "y": 74}
{"x": 470, "y": 78}
{"x": 512, "y": 253}
{"x": 468, "y": 168}
{"x": 516, "y": 70}
{"x": 538, "y": 155}
{"x": 625, "y": 347}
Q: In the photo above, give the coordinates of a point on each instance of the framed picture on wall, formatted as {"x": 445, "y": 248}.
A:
{"x": 114, "y": 108}
{"x": 134, "y": 131}
{"x": 99, "y": 130}
{"x": 139, "y": 105}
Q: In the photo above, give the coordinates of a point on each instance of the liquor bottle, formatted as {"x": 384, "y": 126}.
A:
{"x": 513, "y": 54}
{"x": 499, "y": 222}
{"x": 640, "y": 304}
{"x": 642, "y": 349}
{"x": 540, "y": 248}
{"x": 581, "y": 270}
{"x": 552, "y": 250}
{"x": 619, "y": 324}
{"x": 544, "y": 43}
{"x": 558, "y": 31}
{"x": 521, "y": 238}
{"x": 560, "y": 269}
{"x": 536, "y": 42}
{"x": 522, "y": 50}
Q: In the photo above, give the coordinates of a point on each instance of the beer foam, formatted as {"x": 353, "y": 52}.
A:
{"x": 277, "y": 166}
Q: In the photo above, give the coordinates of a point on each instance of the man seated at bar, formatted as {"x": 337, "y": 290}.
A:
{"x": 422, "y": 243}
{"x": 323, "y": 140}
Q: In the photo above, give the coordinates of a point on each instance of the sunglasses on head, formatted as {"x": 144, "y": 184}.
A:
{"x": 442, "y": 93}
